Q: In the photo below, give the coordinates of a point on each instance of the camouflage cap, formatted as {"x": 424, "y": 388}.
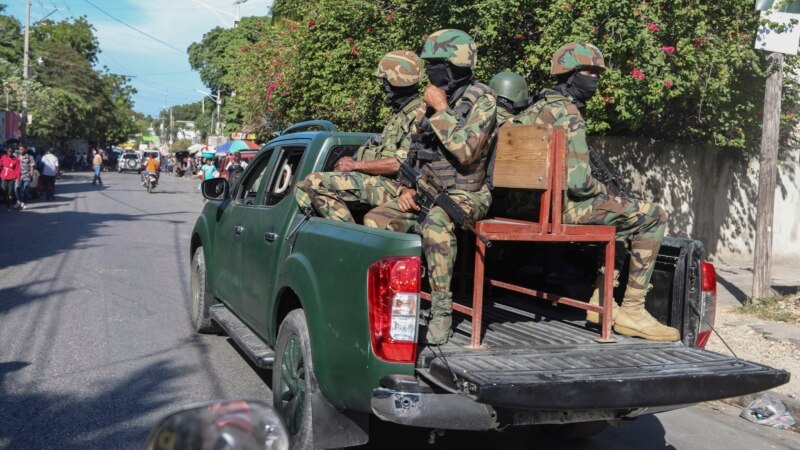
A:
{"x": 454, "y": 46}
{"x": 400, "y": 68}
{"x": 576, "y": 56}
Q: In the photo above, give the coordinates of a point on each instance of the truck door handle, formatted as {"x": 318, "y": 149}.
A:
{"x": 238, "y": 229}
{"x": 270, "y": 237}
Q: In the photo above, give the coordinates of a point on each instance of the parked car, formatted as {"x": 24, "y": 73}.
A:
{"x": 334, "y": 310}
{"x": 130, "y": 162}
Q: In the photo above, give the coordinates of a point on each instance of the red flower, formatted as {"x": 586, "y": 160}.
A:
{"x": 653, "y": 27}
{"x": 311, "y": 23}
{"x": 668, "y": 83}
{"x": 389, "y": 17}
{"x": 668, "y": 49}
{"x": 638, "y": 74}
{"x": 354, "y": 51}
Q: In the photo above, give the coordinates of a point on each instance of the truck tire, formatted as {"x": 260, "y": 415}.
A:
{"x": 572, "y": 431}
{"x": 201, "y": 296}
{"x": 293, "y": 379}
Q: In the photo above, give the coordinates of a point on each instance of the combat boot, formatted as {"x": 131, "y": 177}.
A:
{"x": 633, "y": 320}
{"x": 593, "y": 317}
{"x": 440, "y": 323}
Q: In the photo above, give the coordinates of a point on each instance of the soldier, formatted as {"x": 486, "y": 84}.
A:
{"x": 511, "y": 91}
{"x": 452, "y": 144}
{"x": 368, "y": 179}
{"x": 577, "y": 68}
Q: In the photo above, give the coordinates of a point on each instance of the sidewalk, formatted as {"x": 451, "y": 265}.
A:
{"x": 775, "y": 344}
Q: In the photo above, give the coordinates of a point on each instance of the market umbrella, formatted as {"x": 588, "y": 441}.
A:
{"x": 194, "y": 148}
{"x": 237, "y": 145}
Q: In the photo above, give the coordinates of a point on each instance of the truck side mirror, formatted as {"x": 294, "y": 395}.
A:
{"x": 215, "y": 189}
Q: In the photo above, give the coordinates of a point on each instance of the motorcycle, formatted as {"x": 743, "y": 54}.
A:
{"x": 150, "y": 182}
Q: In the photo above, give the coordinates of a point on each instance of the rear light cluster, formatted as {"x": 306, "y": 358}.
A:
{"x": 393, "y": 289}
{"x": 708, "y": 302}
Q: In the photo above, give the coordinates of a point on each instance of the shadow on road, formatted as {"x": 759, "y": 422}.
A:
{"x": 105, "y": 420}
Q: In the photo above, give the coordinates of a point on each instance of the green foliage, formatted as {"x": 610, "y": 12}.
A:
{"x": 677, "y": 69}
{"x": 78, "y": 35}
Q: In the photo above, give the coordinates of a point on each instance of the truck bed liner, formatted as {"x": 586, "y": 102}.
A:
{"x": 554, "y": 363}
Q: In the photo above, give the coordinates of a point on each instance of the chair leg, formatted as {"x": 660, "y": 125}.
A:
{"x": 477, "y": 293}
{"x": 607, "y": 295}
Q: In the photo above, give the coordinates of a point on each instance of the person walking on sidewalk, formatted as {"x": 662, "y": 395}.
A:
{"x": 49, "y": 173}
{"x": 27, "y": 164}
{"x": 97, "y": 165}
{"x": 9, "y": 172}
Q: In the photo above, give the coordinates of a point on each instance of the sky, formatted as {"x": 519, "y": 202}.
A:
{"x": 162, "y": 75}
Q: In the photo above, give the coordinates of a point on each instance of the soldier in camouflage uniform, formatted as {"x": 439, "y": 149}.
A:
{"x": 577, "y": 67}
{"x": 453, "y": 136}
{"x": 369, "y": 178}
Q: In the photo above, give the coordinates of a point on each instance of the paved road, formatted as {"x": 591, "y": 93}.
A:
{"x": 96, "y": 345}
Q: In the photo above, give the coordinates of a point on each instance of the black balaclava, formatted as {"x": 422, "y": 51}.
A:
{"x": 448, "y": 77}
{"x": 398, "y": 97}
{"x": 514, "y": 107}
{"x": 578, "y": 86}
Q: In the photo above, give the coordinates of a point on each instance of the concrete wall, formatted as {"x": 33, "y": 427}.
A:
{"x": 708, "y": 192}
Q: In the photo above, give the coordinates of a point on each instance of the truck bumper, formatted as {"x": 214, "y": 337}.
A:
{"x": 431, "y": 410}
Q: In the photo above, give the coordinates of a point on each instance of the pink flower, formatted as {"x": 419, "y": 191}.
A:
{"x": 668, "y": 83}
{"x": 653, "y": 27}
{"x": 668, "y": 49}
{"x": 638, "y": 74}
{"x": 271, "y": 88}
{"x": 354, "y": 51}
{"x": 389, "y": 17}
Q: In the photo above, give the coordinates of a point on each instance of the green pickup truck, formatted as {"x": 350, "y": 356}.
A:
{"x": 334, "y": 310}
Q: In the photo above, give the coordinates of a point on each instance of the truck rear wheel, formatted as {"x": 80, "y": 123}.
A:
{"x": 201, "y": 296}
{"x": 579, "y": 430}
{"x": 293, "y": 378}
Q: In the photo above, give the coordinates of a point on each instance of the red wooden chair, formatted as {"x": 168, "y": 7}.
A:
{"x": 532, "y": 157}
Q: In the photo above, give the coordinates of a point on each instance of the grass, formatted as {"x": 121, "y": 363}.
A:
{"x": 778, "y": 308}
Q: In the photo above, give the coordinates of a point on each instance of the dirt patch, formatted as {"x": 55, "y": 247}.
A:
{"x": 752, "y": 345}
{"x": 780, "y": 308}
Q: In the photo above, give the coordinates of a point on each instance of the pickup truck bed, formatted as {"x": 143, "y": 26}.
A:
{"x": 541, "y": 357}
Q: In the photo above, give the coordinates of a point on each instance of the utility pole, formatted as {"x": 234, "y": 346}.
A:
{"x": 171, "y": 127}
{"x": 219, "y": 104}
{"x": 767, "y": 181}
{"x": 25, "y": 63}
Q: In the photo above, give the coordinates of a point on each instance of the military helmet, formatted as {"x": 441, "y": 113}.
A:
{"x": 454, "y": 46}
{"x": 400, "y": 68}
{"x": 510, "y": 85}
{"x": 576, "y": 56}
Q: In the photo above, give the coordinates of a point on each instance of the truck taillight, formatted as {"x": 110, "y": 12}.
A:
{"x": 393, "y": 287}
{"x": 708, "y": 302}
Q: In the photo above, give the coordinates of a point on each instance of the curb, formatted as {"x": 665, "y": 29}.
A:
{"x": 792, "y": 404}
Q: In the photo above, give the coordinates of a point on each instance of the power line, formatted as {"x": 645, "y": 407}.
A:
{"x": 135, "y": 29}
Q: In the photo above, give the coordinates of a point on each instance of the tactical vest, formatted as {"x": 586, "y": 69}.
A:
{"x": 450, "y": 172}
{"x": 392, "y": 134}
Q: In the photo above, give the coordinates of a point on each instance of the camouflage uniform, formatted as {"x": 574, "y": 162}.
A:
{"x": 463, "y": 139}
{"x": 332, "y": 194}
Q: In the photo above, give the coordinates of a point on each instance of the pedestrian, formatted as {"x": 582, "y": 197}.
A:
{"x": 49, "y": 173}
{"x": 27, "y": 166}
{"x": 9, "y": 172}
{"x": 454, "y": 147}
{"x": 97, "y": 165}
{"x": 208, "y": 169}
{"x": 235, "y": 168}
{"x": 84, "y": 163}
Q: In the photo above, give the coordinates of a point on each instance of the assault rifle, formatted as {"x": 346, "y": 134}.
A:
{"x": 429, "y": 194}
{"x": 606, "y": 175}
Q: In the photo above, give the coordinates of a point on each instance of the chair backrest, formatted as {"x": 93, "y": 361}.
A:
{"x": 533, "y": 157}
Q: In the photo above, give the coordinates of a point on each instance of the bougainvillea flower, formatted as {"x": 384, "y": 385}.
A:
{"x": 638, "y": 74}
{"x": 668, "y": 83}
{"x": 668, "y": 49}
{"x": 653, "y": 27}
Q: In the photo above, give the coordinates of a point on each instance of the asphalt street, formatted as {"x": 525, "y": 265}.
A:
{"x": 96, "y": 344}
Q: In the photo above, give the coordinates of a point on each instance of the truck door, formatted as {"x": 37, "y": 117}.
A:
{"x": 265, "y": 243}
{"x": 233, "y": 233}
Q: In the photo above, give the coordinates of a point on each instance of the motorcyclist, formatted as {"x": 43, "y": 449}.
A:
{"x": 150, "y": 167}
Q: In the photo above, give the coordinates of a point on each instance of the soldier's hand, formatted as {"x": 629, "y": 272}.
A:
{"x": 435, "y": 98}
{"x": 406, "y": 201}
{"x": 346, "y": 164}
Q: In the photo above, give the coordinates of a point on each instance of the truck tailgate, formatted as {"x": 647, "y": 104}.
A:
{"x": 594, "y": 376}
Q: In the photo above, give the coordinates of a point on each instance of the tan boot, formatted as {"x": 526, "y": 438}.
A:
{"x": 593, "y": 317}
{"x": 440, "y": 323}
{"x": 633, "y": 320}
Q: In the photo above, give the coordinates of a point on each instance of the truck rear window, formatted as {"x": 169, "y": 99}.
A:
{"x": 336, "y": 153}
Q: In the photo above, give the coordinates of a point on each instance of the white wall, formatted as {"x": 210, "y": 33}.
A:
{"x": 709, "y": 193}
